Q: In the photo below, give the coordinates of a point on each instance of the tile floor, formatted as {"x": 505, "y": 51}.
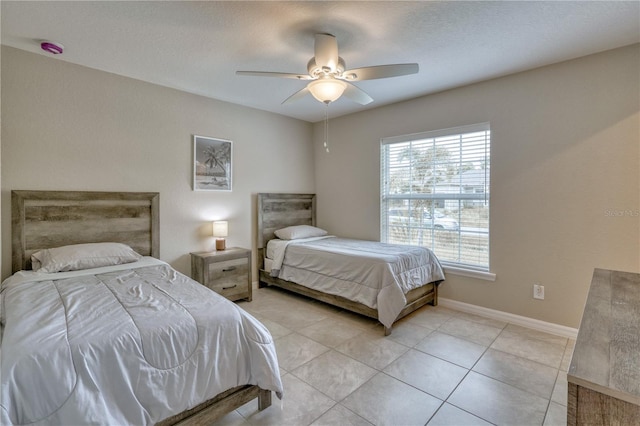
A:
{"x": 439, "y": 367}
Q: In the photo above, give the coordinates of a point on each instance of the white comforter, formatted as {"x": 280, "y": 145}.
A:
{"x": 125, "y": 345}
{"x": 375, "y": 274}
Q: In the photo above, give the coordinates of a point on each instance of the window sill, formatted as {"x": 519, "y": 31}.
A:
{"x": 471, "y": 273}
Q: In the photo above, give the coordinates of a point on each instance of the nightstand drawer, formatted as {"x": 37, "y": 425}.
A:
{"x": 229, "y": 278}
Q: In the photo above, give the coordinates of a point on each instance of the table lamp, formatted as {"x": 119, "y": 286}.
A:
{"x": 220, "y": 231}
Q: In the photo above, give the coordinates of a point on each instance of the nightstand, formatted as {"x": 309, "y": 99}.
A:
{"x": 227, "y": 272}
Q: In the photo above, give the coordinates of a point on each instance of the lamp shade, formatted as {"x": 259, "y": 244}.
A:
{"x": 327, "y": 89}
{"x": 220, "y": 228}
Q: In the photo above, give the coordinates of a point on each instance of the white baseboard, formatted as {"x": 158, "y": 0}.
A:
{"x": 547, "y": 327}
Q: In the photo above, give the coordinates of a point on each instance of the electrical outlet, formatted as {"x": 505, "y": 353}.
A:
{"x": 538, "y": 291}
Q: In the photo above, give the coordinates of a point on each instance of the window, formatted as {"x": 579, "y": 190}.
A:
{"x": 435, "y": 193}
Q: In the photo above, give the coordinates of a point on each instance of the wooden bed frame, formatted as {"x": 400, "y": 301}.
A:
{"x": 46, "y": 219}
{"x": 276, "y": 211}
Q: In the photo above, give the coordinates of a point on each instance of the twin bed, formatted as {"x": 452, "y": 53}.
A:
{"x": 381, "y": 281}
{"x": 129, "y": 340}
{"x": 118, "y": 343}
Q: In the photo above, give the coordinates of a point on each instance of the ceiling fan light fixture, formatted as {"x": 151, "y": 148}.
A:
{"x": 327, "y": 90}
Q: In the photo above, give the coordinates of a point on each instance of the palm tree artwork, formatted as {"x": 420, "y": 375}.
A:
{"x": 212, "y": 165}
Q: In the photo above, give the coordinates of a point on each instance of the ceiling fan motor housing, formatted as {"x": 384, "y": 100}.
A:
{"x": 316, "y": 70}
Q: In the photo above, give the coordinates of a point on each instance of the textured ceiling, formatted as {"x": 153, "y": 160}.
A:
{"x": 197, "y": 46}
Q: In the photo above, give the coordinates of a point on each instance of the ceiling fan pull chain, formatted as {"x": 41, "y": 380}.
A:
{"x": 326, "y": 127}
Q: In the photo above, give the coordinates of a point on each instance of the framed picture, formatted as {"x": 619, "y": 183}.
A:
{"x": 211, "y": 164}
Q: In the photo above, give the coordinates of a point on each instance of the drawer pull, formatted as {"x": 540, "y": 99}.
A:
{"x": 227, "y": 288}
{"x": 230, "y": 268}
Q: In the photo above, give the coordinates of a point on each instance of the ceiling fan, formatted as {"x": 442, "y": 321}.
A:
{"x": 328, "y": 77}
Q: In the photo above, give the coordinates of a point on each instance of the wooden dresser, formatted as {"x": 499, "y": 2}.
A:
{"x": 604, "y": 375}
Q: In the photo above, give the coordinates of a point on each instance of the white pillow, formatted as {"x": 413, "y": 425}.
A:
{"x": 299, "y": 231}
{"x": 82, "y": 256}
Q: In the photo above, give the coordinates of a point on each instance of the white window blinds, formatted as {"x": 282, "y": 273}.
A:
{"x": 435, "y": 193}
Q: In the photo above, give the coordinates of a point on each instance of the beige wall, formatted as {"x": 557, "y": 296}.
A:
{"x": 565, "y": 156}
{"x": 67, "y": 127}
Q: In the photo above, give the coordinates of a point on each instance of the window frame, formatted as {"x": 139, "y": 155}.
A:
{"x": 458, "y": 268}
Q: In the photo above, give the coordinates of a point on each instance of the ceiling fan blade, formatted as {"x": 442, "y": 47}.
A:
{"x": 326, "y": 51}
{"x": 298, "y": 95}
{"x": 358, "y": 95}
{"x": 381, "y": 71}
{"x": 275, "y": 74}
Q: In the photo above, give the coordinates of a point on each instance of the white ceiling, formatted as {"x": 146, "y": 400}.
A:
{"x": 197, "y": 46}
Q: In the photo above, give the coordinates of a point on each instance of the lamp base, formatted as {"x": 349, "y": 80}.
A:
{"x": 220, "y": 244}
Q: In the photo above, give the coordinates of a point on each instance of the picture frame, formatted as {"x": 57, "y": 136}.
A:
{"x": 212, "y": 164}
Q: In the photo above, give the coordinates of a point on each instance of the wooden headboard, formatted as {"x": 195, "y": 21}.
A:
{"x": 46, "y": 219}
{"x": 276, "y": 211}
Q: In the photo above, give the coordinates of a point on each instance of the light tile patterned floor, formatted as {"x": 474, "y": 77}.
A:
{"x": 439, "y": 367}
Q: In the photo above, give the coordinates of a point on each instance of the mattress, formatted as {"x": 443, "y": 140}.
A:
{"x": 374, "y": 274}
{"x": 126, "y": 344}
